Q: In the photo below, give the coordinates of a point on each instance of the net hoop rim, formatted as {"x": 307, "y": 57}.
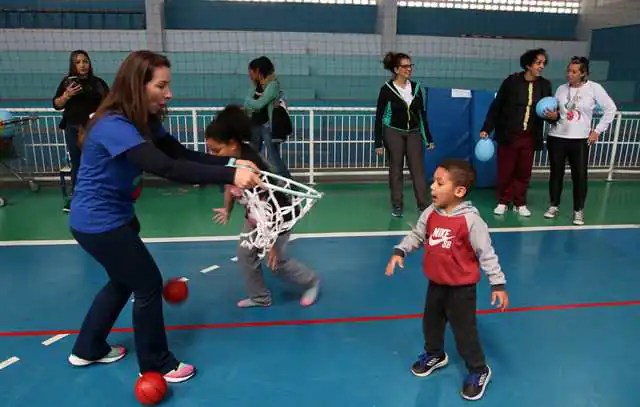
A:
{"x": 310, "y": 193}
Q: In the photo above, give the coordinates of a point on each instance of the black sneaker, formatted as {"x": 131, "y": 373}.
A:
{"x": 426, "y": 364}
{"x": 475, "y": 384}
{"x": 397, "y": 212}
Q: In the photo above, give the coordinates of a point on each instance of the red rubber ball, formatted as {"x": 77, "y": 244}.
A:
{"x": 150, "y": 388}
{"x": 175, "y": 291}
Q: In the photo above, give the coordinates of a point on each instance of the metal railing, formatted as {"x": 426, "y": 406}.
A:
{"x": 336, "y": 141}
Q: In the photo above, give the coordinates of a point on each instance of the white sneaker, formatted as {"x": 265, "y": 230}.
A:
{"x": 500, "y": 209}
{"x": 578, "y": 218}
{"x": 522, "y": 210}
{"x": 552, "y": 212}
{"x": 116, "y": 353}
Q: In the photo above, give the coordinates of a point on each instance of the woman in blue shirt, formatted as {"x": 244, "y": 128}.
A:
{"x": 125, "y": 138}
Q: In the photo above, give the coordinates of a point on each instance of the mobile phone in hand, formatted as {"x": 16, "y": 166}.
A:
{"x": 73, "y": 80}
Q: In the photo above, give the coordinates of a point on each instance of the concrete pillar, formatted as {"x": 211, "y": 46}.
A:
{"x": 154, "y": 14}
{"x": 386, "y": 24}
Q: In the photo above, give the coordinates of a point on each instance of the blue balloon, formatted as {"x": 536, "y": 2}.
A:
{"x": 485, "y": 149}
{"x": 546, "y": 103}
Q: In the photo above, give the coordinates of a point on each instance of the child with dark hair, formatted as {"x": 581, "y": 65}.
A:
{"x": 228, "y": 136}
{"x": 457, "y": 244}
{"x": 401, "y": 127}
{"x": 518, "y": 129}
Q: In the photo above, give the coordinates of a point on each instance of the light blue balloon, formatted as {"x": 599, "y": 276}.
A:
{"x": 547, "y": 103}
{"x": 485, "y": 149}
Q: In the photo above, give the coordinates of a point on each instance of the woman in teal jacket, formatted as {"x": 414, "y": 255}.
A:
{"x": 263, "y": 96}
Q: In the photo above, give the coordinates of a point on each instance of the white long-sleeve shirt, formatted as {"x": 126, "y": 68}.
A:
{"x": 576, "y": 106}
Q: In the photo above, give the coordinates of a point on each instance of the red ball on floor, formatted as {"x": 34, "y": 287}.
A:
{"x": 175, "y": 291}
{"x": 150, "y": 388}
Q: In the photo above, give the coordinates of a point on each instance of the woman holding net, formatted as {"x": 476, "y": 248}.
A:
{"x": 124, "y": 139}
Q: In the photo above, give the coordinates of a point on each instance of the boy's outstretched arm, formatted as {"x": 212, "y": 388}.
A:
{"x": 412, "y": 241}
{"x": 483, "y": 247}
{"x": 416, "y": 236}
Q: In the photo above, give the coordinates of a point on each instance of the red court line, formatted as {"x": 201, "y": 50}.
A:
{"x": 323, "y": 321}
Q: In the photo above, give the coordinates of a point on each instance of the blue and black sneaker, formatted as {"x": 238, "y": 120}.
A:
{"x": 426, "y": 364}
{"x": 475, "y": 384}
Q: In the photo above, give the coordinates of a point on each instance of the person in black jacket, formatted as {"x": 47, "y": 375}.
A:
{"x": 79, "y": 94}
{"x": 518, "y": 129}
{"x": 401, "y": 125}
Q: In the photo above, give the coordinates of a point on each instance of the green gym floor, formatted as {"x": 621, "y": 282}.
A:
{"x": 176, "y": 211}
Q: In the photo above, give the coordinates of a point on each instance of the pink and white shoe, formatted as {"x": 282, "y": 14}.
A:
{"x": 180, "y": 374}
{"x": 250, "y": 302}
{"x": 116, "y": 353}
{"x": 311, "y": 294}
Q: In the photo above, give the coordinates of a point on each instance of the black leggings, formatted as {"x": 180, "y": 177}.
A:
{"x": 131, "y": 269}
{"x": 576, "y": 151}
{"x": 71, "y": 138}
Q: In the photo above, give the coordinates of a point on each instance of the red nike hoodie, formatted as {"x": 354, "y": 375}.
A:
{"x": 456, "y": 246}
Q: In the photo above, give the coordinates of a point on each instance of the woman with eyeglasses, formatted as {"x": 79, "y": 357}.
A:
{"x": 401, "y": 126}
{"x": 572, "y": 134}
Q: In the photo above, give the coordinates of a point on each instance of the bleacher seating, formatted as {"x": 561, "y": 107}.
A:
{"x": 220, "y": 76}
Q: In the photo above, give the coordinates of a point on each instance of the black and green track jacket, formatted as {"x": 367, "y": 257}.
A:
{"x": 392, "y": 111}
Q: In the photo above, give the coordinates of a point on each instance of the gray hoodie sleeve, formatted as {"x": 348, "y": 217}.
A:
{"x": 481, "y": 243}
{"x": 416, "y": 237}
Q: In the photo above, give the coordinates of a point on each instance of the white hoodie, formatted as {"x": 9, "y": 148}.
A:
{"x": 576, "y": 106}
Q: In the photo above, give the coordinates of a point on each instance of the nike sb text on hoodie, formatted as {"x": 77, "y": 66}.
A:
{"x": 456, "y": 246}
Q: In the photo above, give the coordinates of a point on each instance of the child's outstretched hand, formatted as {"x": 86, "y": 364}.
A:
{"x": 272, "y": 259}
{"x": 500, "y": 299}
{"x": 221, "y": 215}
{"x": 399, "y": 260}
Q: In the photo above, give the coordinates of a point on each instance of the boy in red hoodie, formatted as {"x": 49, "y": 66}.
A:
{"x": 457, "y": 244}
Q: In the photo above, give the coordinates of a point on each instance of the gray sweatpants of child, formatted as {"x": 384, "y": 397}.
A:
{"x": 287, "y": 268}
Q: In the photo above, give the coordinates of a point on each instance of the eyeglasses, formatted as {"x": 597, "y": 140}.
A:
{"x": 406, "y": 66}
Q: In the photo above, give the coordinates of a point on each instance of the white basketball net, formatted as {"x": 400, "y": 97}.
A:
{"x": 272, "y": 218}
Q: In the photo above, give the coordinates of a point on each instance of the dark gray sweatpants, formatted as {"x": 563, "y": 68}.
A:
{"x": 401, "y": 144}
{"x": 287, "y": 268}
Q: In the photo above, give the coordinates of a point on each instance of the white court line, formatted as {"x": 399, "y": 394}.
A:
{"x": 196, "y": 239}
{"x": 54, "y": 339}
{"x": 9, "y": 362}
{"x": 210, "y": 268}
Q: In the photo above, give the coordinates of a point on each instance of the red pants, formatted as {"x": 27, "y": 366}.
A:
{"x": 515, "y": 162}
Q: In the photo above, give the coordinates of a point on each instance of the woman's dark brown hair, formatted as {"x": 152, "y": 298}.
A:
{"x": 583, "y": 63}
{"x": 72, "y": 62}
{"x": 128, "y": 95}
{"x": 392, "y": 60}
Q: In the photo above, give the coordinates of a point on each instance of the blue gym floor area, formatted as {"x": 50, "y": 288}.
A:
{"x": 569, "y": 339}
